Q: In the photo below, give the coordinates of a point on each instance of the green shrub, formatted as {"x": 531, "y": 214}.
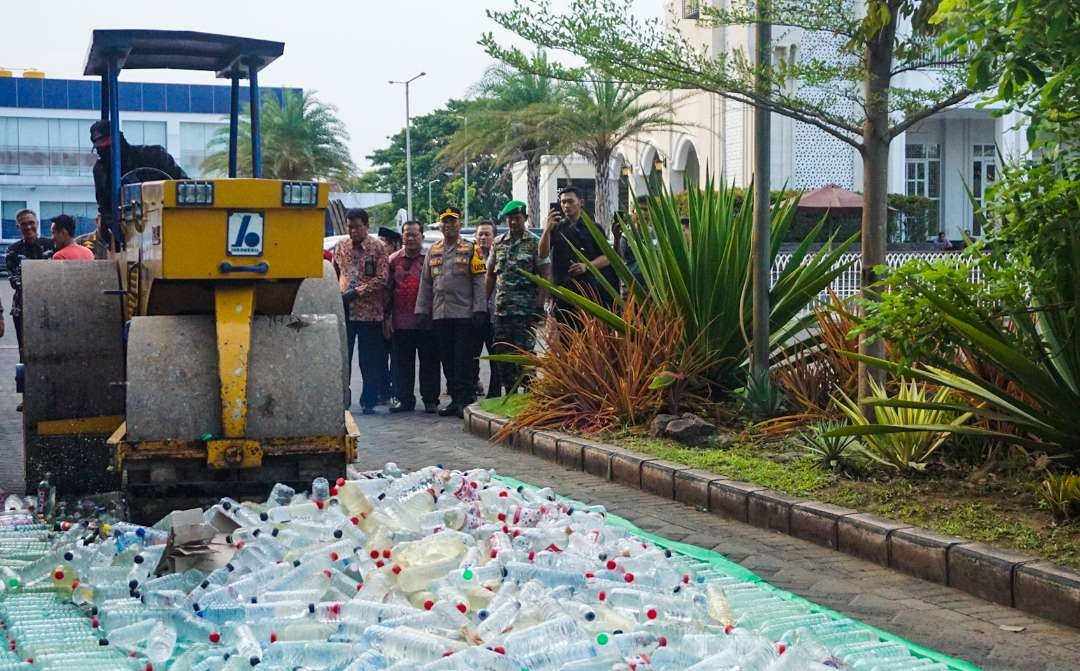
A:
{"x": 762, "y": 397}
{"x": 918, "y": 215}
{"x": 832, "y": 453}
{"x": 1060, "y": 494}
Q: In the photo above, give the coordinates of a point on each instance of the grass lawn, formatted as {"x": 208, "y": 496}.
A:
{"x": 1000, "y": 509}
{"x": 508, "y": 406}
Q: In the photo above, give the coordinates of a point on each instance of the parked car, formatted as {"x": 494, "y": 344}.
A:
{"x": 331, "y": 241}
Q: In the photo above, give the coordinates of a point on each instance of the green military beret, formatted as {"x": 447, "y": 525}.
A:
{"x": 513, "y": 207}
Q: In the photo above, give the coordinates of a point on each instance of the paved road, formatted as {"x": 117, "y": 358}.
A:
{"x": 944, "y": 619}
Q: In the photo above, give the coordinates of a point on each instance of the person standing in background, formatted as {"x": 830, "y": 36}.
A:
{"x": 518, "y": 301}
{"x": 364, "y": 270}
{"x": 564, "y": 230}
{"x": 408, "y": 341}
{"x": 485, "y": 234}
{"x": 63, "y": 235}
{"x": 453, "y": 301}
{"x": 391, "y": 239}
{"x": 29, "y": 247}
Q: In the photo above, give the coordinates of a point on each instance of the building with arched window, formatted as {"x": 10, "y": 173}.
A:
{"x": 939, "y": 158}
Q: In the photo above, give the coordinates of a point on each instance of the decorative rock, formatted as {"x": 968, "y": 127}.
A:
{"x": 688, "y": 429}
{"x": 658, "y": 426}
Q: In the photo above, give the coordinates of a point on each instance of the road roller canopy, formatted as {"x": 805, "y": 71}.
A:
{"x": 233, "y": 58}
{"x": 226, "y": 55}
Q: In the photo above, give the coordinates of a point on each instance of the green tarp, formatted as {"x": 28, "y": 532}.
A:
{"x": 721, "y": 563}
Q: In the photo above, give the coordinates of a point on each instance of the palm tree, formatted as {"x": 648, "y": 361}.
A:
{"x": 601, "y": 115}
{"x": 302, "y": 139}
{"x": 512, "y": 118}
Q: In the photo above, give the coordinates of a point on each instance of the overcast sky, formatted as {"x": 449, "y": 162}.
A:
{"x": 345, "y": 50}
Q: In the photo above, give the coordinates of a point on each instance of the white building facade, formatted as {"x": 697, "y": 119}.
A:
{"x": 935, "y": 158}
{"x": 46, "y": 158}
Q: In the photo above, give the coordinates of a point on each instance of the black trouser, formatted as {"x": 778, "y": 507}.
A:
{"x": 485, "y": 338}
{"x": 365, "y": 337}
{"x": 406, "y": 346}
{"x": 388, "y": 390}
{"x": 17, "y": 320}
{"x": 456, "y": 342}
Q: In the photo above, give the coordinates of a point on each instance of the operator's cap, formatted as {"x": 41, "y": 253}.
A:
{"x": 99, "y": 131}
{"x": 390, "y": 234}
{"x": 513, "y": 207}
{"x": 450, "y": 212}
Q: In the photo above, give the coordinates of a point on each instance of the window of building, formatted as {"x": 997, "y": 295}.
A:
{"x": 59, "y": 147}
{"x": 84, "y": 214}
{"x": 195, "y": 141}
{"x": 33, "y": 146}
{"x": 8, "y": 210}
{"x": 9, "y": 146}
{"x": 144, "y": 132}
{"x": 924, "y": 179}
{"x": 70, "y": 152}
{"x": 983, "y": 175}
{"x": 691, "y": 9}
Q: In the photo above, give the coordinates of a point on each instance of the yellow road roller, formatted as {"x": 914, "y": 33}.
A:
{"x": 206, "y": 356}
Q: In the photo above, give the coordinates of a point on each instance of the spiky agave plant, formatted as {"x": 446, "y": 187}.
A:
{"x": 924, "y": 431}
{"x": 700, "y": 276}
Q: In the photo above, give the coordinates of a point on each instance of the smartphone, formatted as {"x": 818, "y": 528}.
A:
{"x": 554, "y": 207}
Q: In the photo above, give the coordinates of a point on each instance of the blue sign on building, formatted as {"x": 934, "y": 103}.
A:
{"x": 78, "y": 94}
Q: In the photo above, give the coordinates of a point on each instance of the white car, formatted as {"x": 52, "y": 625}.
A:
{"x": 331, "y": 241}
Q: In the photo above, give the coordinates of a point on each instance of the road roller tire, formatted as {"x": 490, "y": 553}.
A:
{"x": 295, "y": 368}
{"x": 74, "y": 367}
{"x": 322, "y": 296}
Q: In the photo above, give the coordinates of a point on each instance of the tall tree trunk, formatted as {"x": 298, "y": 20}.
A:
{"x": 875, "y": 154}
{"x": 602, "y": 206}
{"x": 760, "y": 245}
{"x": 532, "y": 176}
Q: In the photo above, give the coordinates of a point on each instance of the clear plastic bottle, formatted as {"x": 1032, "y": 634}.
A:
{"x": 320, "y": 489}
{"x": 246, "y": 645}
{"x": 161, "y": 642}
{"x": 280, "y": 495}
{"x": 410, "y": 644}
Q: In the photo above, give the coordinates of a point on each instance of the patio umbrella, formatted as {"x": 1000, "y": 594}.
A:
{"x": 831, "y": 197}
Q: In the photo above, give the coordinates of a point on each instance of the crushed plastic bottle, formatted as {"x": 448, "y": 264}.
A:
{"x": 431, "y": 569}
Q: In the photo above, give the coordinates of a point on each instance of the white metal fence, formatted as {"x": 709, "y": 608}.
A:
{"x": 849, "y": 282}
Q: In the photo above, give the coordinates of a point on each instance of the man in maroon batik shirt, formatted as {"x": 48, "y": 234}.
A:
{"x": 408, "y": 339}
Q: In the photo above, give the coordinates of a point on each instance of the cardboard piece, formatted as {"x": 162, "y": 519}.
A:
{"x": 195, "y": 544}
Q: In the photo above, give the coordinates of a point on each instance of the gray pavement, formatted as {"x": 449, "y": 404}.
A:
{"x": 944, "y": 619}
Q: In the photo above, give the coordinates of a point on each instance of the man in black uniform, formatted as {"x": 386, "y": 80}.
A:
{"x": 132, "y": 157}
{"x": 564, "y": 229}
{"x": 31, "y": 246}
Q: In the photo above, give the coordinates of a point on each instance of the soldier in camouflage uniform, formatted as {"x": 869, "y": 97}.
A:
{"x": 518, "y": 301}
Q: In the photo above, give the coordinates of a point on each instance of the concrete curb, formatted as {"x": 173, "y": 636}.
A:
{"x": 991, "y": 573}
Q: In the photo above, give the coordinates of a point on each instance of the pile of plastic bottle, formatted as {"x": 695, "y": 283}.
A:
{"x": 434, "y": 569}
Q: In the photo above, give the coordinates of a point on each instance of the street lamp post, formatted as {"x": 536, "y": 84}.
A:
{"x": 430, "y": 210}
{"x": 466, "y": 208}
{"x": 408, "y": 144}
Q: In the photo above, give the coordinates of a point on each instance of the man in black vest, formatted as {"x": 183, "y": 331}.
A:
{"x": 132, "y": 157}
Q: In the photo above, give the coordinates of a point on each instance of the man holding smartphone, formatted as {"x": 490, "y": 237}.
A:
{"x": 564, "y": 231}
